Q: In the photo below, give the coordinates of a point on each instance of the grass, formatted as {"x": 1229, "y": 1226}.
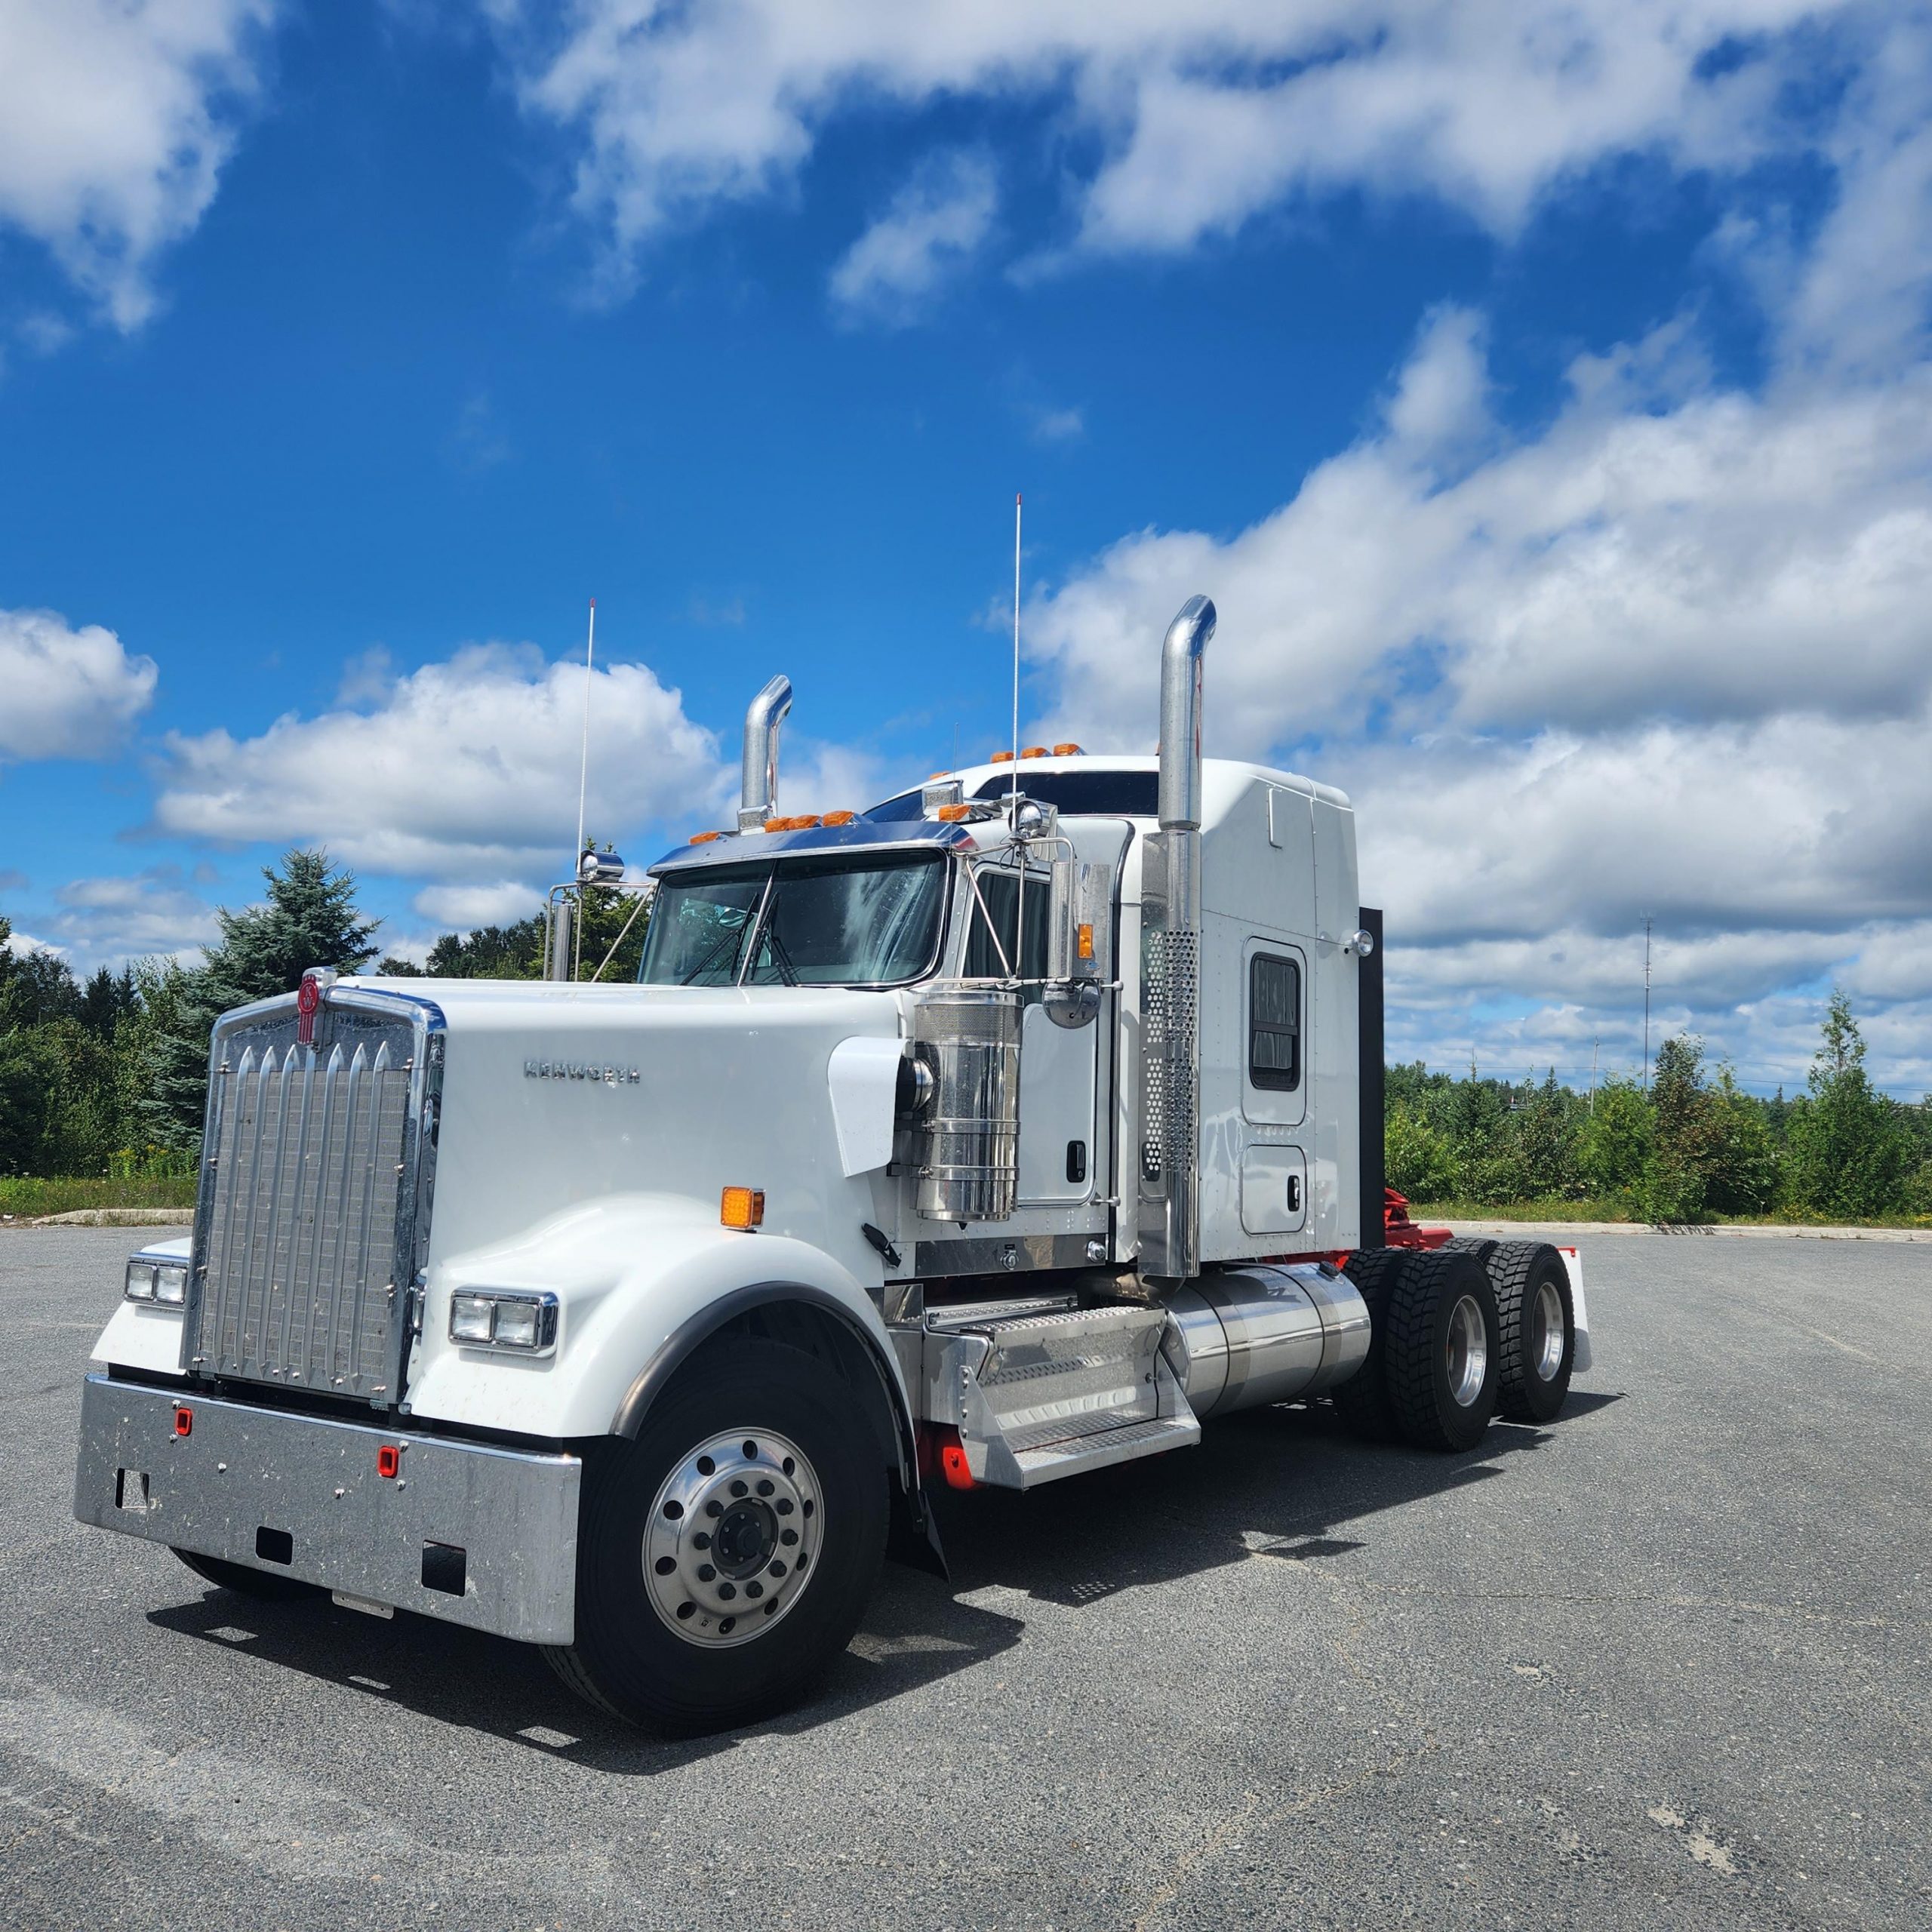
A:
{"x": 22, "y": 1198}
{"x": 1618, "y": 1209}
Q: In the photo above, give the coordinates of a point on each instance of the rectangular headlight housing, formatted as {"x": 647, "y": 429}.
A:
{"x": 518, "y": 1321}
{"x": 158, "y": 1278}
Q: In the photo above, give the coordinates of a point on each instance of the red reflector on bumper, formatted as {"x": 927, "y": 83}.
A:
{"x": 953, "y": 1467}
{"x": 184, "y": 1421}
{"x": 388, "y": 1460}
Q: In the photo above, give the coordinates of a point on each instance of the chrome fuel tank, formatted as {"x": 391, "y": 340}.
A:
{"x": 1243, "y": 1337}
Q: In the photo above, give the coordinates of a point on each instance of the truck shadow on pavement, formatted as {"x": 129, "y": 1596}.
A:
{"x": 1285, "y": 1483}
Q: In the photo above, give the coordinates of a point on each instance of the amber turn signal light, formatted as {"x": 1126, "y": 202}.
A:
{"x": 1083, "y": 942}
{"x": 952, "y": 814}
{"x": 741, "y": 1208}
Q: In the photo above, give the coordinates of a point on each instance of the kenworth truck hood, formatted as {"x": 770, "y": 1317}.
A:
{"x": 553, "y": 1096}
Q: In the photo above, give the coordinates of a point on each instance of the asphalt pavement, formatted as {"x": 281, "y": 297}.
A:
{"x": 1663, "y": 1664}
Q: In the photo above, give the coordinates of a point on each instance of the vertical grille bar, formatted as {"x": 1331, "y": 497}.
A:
{"x": 316, "y": 1182}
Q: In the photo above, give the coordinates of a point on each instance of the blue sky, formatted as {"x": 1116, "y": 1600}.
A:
{"x": 1543, "y": 395}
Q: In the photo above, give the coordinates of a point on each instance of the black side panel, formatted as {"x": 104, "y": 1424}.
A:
{"x": 1369, "y": 1073}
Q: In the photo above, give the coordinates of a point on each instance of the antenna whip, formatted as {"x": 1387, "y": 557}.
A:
{"x": 1016, "y": 648}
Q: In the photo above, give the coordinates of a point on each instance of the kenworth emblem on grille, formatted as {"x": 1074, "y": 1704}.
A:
{"x": 577, "y": 1069}
{"x": 308, "y": 1000}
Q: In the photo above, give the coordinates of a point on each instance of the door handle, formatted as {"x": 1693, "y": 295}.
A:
{"x": 1294, "y": 1194}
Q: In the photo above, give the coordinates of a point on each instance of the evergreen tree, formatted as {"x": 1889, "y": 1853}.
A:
{"x": 1848, "y": 1150}
{"x": 310, "y": 919}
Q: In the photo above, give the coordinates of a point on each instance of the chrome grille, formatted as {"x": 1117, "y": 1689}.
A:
{"x": 313, "y": 1218}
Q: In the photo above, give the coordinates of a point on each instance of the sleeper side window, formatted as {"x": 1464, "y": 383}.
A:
{"x": 1274, "y": 1023}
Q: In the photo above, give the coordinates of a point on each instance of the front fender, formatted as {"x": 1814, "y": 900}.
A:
{"x": 640, "y": 1280}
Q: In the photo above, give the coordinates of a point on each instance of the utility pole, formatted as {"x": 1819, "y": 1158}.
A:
{"x": 1594, "y": 1045}
{"x": 1647, "y": 1002}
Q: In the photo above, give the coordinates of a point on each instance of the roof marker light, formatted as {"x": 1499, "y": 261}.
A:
{"x": 1034, "y": 751}
{"x": 839, "y": 818}
{"x": 1069, "y": 751}
{"x": 705, "y": 837}
{"x": 1002, "y": 758}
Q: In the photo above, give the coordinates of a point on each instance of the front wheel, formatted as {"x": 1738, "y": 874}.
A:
{"x": 725, "y": 1556}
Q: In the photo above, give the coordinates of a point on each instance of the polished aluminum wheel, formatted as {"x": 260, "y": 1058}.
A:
{"x": 1548, "y": 1333}
{"x": 1468, "y": 1352}
{"x": 733, "y": 1532}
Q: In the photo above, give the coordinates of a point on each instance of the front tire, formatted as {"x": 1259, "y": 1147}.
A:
{"x": 1440, "y": 1358}
{"x": 725, "y": 1556}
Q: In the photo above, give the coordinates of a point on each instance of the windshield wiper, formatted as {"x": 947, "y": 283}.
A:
{"x": 705, "y": 965}
{"x": 781, "y": 958}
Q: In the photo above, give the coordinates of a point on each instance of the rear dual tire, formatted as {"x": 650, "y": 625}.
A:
{"x": 1439, "y": 1364}
{"x": 1536, "y": 1319}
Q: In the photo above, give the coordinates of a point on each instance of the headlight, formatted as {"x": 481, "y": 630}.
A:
{"x": 523, "y": 1322}
{"x": 161, "y": 1278}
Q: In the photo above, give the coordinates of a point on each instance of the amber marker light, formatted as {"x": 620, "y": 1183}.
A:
{"x": 1068, "y": 751}
{"x": 705, "y": 837}
{"x": 1083, "y": 942}
{"x": 952, "y": 814}
{"x": 1034, "y": 751}
{"x": 1002, "y": 758}
{"x": 839, "y": 818}
{"x": 741, "y": 1208}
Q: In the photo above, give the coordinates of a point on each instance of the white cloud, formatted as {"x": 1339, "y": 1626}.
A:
{"x": 110, "y": 920}
{"x": 1722, "y": 556}
{"x": 467, "y": 767}
{"x": 464, "y": 908}
{"x": 1199, "y": 117}
{"x": 937, "y": 222}
{"x": 66, "y": 693}
{"x": 116, "y": 118}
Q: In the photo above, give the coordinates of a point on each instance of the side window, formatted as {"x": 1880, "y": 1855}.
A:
{"x": 999, "y": 893}
{"x": 1274, "y": 1023}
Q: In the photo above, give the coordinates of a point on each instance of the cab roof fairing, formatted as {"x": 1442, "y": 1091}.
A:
{"x": 1224, "y": 778}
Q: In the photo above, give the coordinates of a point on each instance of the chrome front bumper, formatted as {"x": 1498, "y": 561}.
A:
{"x": 462, "y": 1531}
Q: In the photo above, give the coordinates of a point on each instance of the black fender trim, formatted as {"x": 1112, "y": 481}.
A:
{"x": 921, "y": 1546}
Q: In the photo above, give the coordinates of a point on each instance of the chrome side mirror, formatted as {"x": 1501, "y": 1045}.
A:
{"x": 1079, "y": 942}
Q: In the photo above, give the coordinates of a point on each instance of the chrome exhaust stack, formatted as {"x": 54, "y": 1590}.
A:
{"x": 1169, "y": 1209}
{"x": 757, "y": 797}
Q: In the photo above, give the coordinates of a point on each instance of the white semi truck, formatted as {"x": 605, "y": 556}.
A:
{"x": 1008, "y": 1130}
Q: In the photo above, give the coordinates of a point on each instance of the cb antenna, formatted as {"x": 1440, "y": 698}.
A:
{"x": 1016, "y": 653}
{"x": 583, "y": 763}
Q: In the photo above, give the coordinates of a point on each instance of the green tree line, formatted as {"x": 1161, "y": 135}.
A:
{"x": 1694, "y": 1147}
{"x": 107, "y": 1077}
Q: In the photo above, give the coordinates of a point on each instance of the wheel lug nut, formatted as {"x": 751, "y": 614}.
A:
{"x": 727, "y": 1591}
{"x": 738, "y": 1488}
{"x": 705, "y": 1573}
{"x": 788, "y": 1537}
{"x": 753, "y": 1589}
{"x": 784, "y": 1506}
{"x": 765, "y": 1488}
{"x": 777, "y": 1569}
{"x": 701, "y": 1540}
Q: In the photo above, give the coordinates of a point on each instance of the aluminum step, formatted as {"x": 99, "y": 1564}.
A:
{"x": 1038, "y": 1397}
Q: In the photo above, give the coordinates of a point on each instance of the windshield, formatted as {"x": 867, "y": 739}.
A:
{"x": 825, "y": 922}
